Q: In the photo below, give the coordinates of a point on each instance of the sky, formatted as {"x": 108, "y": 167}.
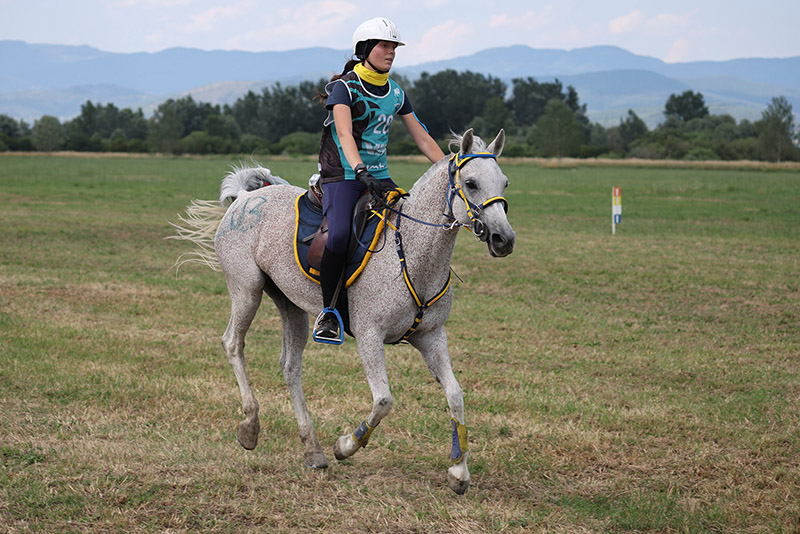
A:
{"x": 672, "y": 30}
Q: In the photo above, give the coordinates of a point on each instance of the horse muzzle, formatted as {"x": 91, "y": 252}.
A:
{"x": 500, "y": 244}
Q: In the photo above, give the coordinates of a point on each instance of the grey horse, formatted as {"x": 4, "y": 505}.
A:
{"x": 253, "y": 244}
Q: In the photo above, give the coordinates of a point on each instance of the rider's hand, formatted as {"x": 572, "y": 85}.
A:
{"x": 376, "y": 187}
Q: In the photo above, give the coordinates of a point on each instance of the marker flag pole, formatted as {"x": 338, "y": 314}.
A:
{"x": 616, "y": 208}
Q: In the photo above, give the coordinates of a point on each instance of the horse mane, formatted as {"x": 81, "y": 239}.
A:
{"x": 478, "y": 144}
{"x": 454, "y": 144}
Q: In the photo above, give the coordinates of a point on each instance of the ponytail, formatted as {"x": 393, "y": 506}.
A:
{"x": 323, "y": 96}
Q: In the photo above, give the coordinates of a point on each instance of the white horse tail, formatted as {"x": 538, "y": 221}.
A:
{"x": 244, "y": 177}
{"x": 199, "y": 225}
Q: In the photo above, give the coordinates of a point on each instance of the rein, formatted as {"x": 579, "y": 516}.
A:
{"x": 421, "y": 306}
{"x": 456, "y": 163}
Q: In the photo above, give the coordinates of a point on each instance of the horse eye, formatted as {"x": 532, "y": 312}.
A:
{"x": 471, "y": 185}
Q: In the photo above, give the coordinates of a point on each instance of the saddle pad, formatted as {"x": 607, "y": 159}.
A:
{"x": 308, "y": 218}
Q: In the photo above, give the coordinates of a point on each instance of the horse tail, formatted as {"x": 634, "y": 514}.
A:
{"x": 245, "y": 177}
{"x": 199, "y": 225}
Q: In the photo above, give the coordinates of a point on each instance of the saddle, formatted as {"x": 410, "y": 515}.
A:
{"x": 311, "y": 234}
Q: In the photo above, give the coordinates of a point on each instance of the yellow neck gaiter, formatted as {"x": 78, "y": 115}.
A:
{"x": 370, "y": 76}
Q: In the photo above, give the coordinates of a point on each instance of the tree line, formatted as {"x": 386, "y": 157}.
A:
{"x": 542, "y": 119}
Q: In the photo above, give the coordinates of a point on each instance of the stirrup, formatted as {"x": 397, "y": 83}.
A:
{"x": 330, "y": 341}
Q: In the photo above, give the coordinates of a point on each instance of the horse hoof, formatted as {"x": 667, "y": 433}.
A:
{"x": 337, "y": 451}
{"x": 246, "y": 436}
{"x": 343, "y": 448}
{"x": 315, "y": 460}
{"x": 458, "y": 486}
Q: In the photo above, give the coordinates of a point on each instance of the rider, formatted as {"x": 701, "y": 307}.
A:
{"x": 361, "y": 103}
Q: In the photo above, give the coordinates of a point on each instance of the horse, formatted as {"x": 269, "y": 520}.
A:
{"x": 253, "y": 246}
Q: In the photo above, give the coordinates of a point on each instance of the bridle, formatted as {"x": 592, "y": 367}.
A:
{"x": 454, "y": 188}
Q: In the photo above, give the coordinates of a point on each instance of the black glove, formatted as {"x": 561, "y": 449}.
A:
{"x": 376, "y": 187}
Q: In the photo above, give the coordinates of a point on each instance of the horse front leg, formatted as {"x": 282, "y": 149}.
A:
{"x": 433, "y": 348}
{"x": 370, "y": 349}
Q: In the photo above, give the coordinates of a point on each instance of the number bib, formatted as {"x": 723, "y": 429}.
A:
{"x": 372, "y": 116}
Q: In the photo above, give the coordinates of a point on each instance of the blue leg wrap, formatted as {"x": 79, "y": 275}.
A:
{"x": 362, "y": 433}
{"x": 460, "y": 443}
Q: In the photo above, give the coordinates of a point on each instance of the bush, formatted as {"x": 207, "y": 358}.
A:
{"x": 403, "y": 147}
{"x": 647, "y": 151}
{"x": 701, "y": 154}
{"x": 253, "y": 144}
{"x": 517, "y": 150}
{"x": 138, "y": 145}
{"x": 202, "y": 143}
{"x": 300, "y": 143}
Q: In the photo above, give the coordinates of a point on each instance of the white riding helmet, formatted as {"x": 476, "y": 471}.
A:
{"x": 378, "y": 29}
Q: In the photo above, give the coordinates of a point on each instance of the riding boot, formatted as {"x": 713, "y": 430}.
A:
{"x": 331, "y": 271}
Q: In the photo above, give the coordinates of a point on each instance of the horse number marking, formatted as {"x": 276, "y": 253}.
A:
{"x": 243, "y": 223}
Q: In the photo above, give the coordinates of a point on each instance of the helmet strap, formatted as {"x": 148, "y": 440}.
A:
{"x": 376, "y": 69}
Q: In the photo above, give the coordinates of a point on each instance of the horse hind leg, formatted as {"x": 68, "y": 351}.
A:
{"x": 245, "y": 300}
{"x": 295, "y": 337}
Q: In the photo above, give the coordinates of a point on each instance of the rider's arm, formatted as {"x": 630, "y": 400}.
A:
{"x": 343, "y": 119}
{"x": 420, "y": 135}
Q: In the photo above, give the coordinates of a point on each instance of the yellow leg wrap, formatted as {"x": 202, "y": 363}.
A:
{"x": 460, "y": 443}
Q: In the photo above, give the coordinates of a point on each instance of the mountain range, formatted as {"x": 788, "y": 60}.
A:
{"x": 38, "y": 79}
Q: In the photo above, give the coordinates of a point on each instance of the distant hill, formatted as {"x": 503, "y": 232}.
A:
{"x": 38, "y": 79}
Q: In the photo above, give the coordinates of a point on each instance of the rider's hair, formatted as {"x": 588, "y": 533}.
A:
{"x": 322, "y": 96}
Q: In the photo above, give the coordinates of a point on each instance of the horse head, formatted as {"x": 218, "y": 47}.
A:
{"x": 476, "y": 193}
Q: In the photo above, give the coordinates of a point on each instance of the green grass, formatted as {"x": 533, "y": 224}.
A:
{"x": 645, "y": 382}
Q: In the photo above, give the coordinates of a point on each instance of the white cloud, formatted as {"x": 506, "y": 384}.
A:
{"x": 213, "y": 18}
{"x": 680, "y": 51}
{"x": 668, "y": 24}
{"x": 309, "y": 24}
{"x": 150, "y": 4}
{"x": 445, "y": 40}
{"x": 626, "y": 23}
{"x": 520, "y": 22}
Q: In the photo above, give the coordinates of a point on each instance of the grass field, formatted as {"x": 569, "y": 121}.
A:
{"x": 647, "y": 382}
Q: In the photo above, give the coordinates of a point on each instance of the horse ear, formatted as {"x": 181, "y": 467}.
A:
{"x": 496, "y": 146}
{"x": 466, "y": 142}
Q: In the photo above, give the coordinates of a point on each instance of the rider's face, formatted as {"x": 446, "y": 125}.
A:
{"x": 382, "y": 56}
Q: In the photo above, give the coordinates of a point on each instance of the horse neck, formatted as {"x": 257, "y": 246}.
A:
{"x": 429, "y": 249}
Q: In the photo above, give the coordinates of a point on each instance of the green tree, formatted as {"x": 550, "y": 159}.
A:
{"x": 166, "y": 129}
{"x": 496, "y": 116}
{"x": 10, "y": 127}
{"x": 529, "y": 99}
{"x": 631, "y": 129}
{"x": 775, "y": 129}
{"x": 558, "y": 132}
{"x": 449, "y": 100}
{"x": 686, "y": 106}
{"x": 47, "y": 134}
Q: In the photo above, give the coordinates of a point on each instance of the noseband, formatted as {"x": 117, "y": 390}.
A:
{"x": 457, "y": 162}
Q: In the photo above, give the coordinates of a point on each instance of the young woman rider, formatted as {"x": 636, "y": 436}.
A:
{"x": 362, "y": 103}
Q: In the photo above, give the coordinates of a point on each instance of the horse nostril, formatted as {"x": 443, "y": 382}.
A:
{"x": 499, "y": 240}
